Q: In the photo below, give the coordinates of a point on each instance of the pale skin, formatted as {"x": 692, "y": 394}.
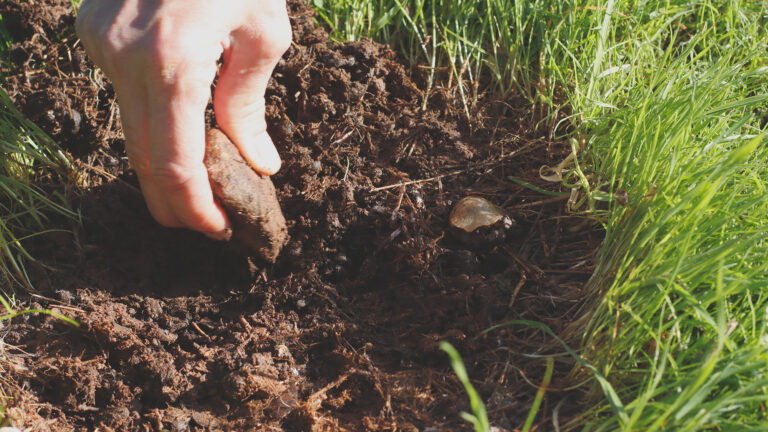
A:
{"x": 161, "y": 56}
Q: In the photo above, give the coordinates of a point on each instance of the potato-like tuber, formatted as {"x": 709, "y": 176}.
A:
{"x": 248, "y": 198}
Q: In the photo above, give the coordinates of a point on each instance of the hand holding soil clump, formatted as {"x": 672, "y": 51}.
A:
{"x": 248, "y": 198}
{"x": 162, "y": 58}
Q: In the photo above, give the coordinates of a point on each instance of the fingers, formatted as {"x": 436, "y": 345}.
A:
{"x": 161, "y": 57}
{"x": 174, "y": 186}
{"x": 134, "y": 118}
{"x": 162, "y": 105}
{"x": 177, "y": 179}
{"x": 239, "y": 103}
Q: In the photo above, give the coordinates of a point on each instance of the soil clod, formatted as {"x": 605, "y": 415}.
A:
{"x": 248, "y": 197}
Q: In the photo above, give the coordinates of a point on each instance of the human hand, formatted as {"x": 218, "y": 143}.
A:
{"x": 161, "y": 56}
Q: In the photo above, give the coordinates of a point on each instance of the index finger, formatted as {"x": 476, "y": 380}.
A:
{"x": 177, "y": 148}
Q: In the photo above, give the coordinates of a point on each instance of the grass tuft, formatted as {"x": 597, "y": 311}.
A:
{"x": 479, "y": 416}
{"x": 29, "y": 159}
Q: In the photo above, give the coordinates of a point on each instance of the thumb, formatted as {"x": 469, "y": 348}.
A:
{"x": 239, "y": 98}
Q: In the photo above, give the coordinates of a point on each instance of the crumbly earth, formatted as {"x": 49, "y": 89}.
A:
{"x": 178, "y": 332}
{"x": 249, "y": 198}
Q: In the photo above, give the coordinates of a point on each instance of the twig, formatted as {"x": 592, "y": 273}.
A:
{"x": 59, "y": 304}
{"x": 343, "y": 138}
{"x": 408, "y": 183}
{"x": 317, "y": 397}
{"x": 110, "y": 176}
{"x": 520, "y": 284}
{"x": 197, "y": 327}
{"x": 542, "y": 202}
{"x": 586, "y": 272}
{"x": 517, "y": 152}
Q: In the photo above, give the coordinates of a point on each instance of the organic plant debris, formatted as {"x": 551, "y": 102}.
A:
{"x": 179, "y": 332}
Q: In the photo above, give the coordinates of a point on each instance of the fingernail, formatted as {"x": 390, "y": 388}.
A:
{"x": 262, "y": 155}
{"x": 222, "y": 235}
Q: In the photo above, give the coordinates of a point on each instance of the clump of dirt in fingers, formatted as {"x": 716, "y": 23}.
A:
{"x": 179, "y": 332}
{"x": 249, "y": 198}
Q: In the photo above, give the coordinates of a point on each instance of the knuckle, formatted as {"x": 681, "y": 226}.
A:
{"x": 164, "y": 44}
{"x": 161, "y": 54}
{"x": 115, "y": 47}
{"x": 176, "y": 66}
{"x": 171, "y": 176}
{"x": 169, "y": 42}
{"x": 270, "y": 39}
{"x": 113, "y": 40}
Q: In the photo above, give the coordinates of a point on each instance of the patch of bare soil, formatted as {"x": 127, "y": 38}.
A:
{"x": 181, "y": 333}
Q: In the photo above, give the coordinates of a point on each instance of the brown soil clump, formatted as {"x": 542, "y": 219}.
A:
{"x": 341, "y": 332}
{"x": 248, "y": 198}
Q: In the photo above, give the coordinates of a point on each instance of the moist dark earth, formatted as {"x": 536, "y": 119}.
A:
{"x": 178, "y": 332}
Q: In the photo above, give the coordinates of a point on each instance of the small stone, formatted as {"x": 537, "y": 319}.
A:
{"x": 283, "y": 351}
{"x": 479, "y": 223}
{"x": 473, "y": 212}
{"x": 301, "y": 303}
{"x": 180, "y": 426}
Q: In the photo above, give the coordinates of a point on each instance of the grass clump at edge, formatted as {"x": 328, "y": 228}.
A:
{"x": 33, "y": 173}
{"x": 28, "y": 159}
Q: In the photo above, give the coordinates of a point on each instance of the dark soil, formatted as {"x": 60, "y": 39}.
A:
{"x": 179, "y": 332}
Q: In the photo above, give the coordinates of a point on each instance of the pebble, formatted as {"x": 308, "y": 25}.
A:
{"x": 473, "y": 212}
{"x": 283, "y": 351}
{"x": 479, "y": 223}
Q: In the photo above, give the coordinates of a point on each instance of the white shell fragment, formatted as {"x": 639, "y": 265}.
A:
{"x": 473, "y": 212}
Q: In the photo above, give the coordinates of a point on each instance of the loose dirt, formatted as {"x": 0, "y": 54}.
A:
{"x": 179, "y": 332}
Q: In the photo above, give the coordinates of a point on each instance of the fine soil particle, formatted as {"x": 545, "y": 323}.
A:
{"x": 248, "y": 198}
{"x": 178, "y": 332}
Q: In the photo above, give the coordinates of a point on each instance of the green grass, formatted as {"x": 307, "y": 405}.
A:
{"x": 667, "y": 103}
{"x": 479, "y": 416}
{"x": 29, "y": 159}
{"x": 33, "y": 174}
